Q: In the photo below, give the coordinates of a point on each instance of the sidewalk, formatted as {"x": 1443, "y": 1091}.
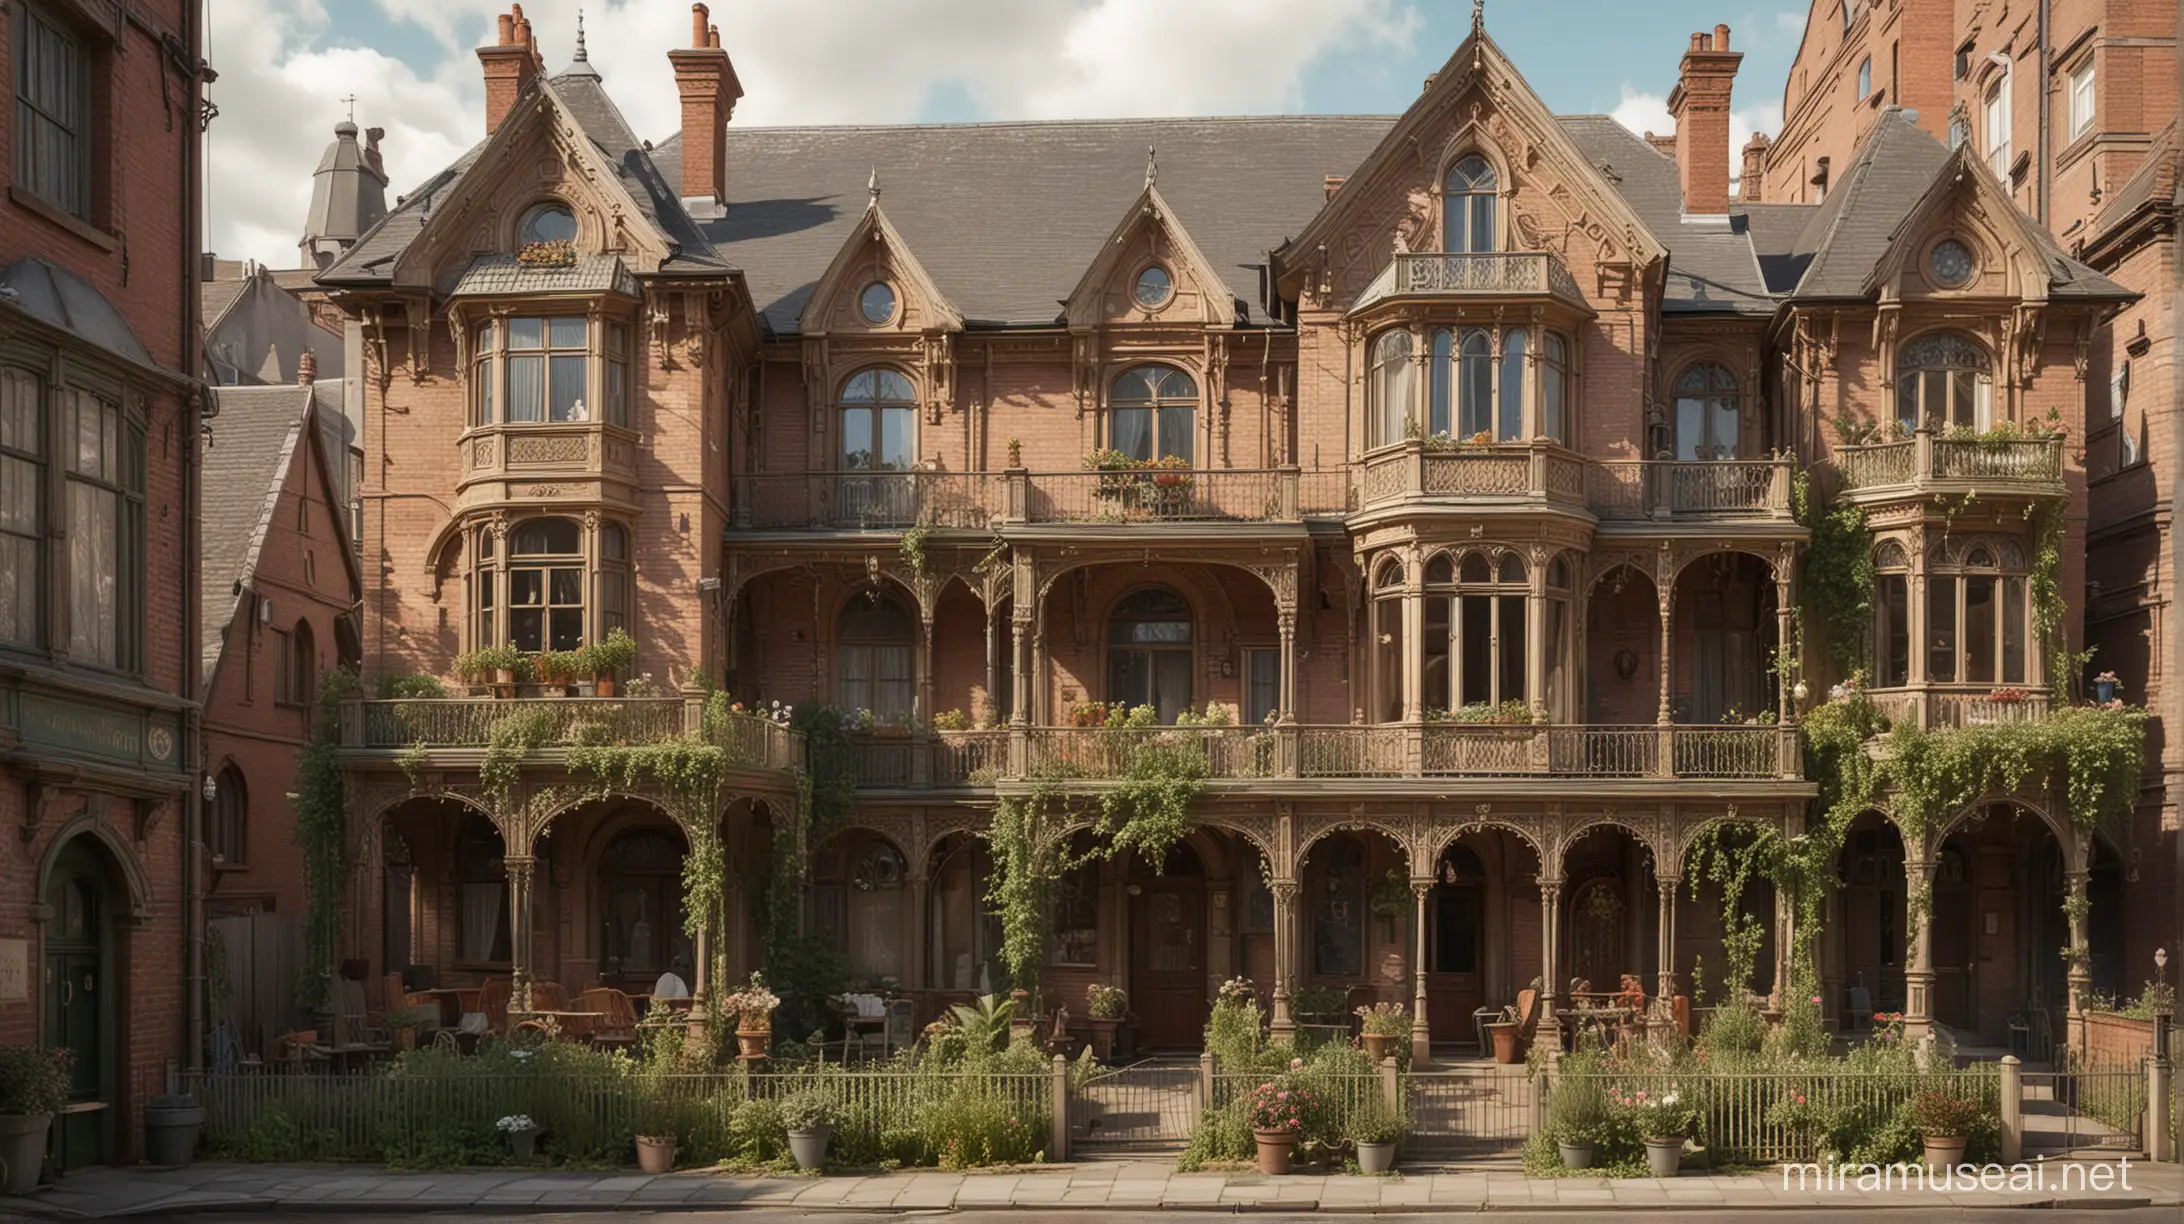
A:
{"x": 1096, "y": 1186}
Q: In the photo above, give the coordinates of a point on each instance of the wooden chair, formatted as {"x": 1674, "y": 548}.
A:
{"x": 549, "y": 996}
{"x": 493, "y": 1001}
{"x": 1861, "y": 1007}
{"x": 355, "y": 1037}
{"x": 618, "y": 1025}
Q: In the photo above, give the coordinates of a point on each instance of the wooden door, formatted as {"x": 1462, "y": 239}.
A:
{"x": 1595, "y": 925}
{"x": 1168, "y": 961}
{"x": 1455, "y": 960}
{"x": 78, "y": 1004}
{"x": 1952, "y": 939}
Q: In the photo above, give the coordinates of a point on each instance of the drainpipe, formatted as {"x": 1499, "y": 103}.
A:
{"x": 2047, "y": 84}
{"x": 193, "y": 803}
{"x": 2176, "y": 424}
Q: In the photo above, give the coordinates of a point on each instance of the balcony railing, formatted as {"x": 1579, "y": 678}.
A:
{"x": 869, "y": 500}
{"x": 1475, "y": 274}
{"x": 2028, "y": 466}
{"x": 1514, "y": 472}
{"x": 1936, "y": 709}
{"x": 1155, "y": 495}
{"x": 564, "y": 449}
{"x": 1689, "y": 488}
{"x": 463, "y": 723}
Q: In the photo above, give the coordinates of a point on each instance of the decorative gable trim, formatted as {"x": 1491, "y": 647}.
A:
{"x": 1964, "y": 201}
{"x": 539, "y": 151}
{"x": 873, "y": 251}
{"x": 1527, "y": 137}
{"x": 1103, "y": 295}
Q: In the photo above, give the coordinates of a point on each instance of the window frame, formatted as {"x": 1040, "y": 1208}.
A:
{"x": 1153, "y": 652}
{"x": 1915, "y": 377}
{"x": 34, "y": 114}
{"x": 24, "y": 542}
{"x": 606, "y": 352}
{"x": 1168, "y": 411}
{"x": 882, "y": 403}
{"x": 1714, "y": 396}
{"x": 1865, "y": 78}
{"x": 1477, "y": 199}
{"x": 227, "y": 835}
{"x": 1996, "y": 121}
{"x": 1460, "y": 599}
{"x": 491, "y": 561}
{"x": 126, "y": 448}
{"x": 2084, "y": 98}
{"x": 1951, "y": 574}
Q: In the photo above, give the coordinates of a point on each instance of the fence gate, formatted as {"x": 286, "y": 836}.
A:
{"x": 1471, "y": 1111}
{"x": 254, "y": 961}
{"x": 1149, "y": 1105}
{"x": 2087, "y": 1108}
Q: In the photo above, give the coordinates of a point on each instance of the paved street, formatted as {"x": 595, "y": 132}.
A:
{"x": 772, "y": 1215}
{"x": 1110, "y": 1188}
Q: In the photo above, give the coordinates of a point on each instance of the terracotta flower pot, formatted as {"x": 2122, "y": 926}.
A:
{"x": 1274, "y": 1149}
{"x": 753, "y": 1043}
{"x": 1943, "y": 1152}
{"x": 405, "y": 1039}
{"x": 1103, "y": 1037}
{"x": 603, "y": 686}
{"x": 1379, "y": 1045}
{"x": 1507, "y": 1037}
{"x": 655, "y": 1153}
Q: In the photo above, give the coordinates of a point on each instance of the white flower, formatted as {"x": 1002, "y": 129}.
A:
{"x": 1670, "y": 1099}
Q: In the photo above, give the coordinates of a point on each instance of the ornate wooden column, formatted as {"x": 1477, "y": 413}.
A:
{"x": 1286, "y": 695}
{"x": 1665, "y": 967}
{"x": 1550, "y": 908}
{"x": 1421, "y": 1032}
{"x": 1918, "y": 974}
{"x": 1285, "y": 952}
{"x": 2078, "y": 974}
{"x": 518, "y": 868}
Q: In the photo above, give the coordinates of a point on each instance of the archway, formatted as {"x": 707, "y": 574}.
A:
{"x": 860, "y": 905}
{"x": 1725, "y": 632}
{"x": 1869, "y": 918}
{"x": 1622, "y": 648}
{"x": 963, "y": 936}
{"x": 1608, "y": 924}
{"x": 1168, "y": 948}
{"x": 80, "y": 976}
{"x": 641, "y": 927}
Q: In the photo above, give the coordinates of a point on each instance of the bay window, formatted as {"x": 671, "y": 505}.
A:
{"x": 104, "y": 465}
{"x": 1554, "y": 384}
{"x": 1391, "y": 388}
{"x": 1977, "y": 614}
{"x": 540, "y": 369}
{"x": 22, "y": 512}
{"x": 1477, "y": 631}
{"x": 550, "y": 584}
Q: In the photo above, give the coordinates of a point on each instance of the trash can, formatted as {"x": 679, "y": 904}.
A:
{"x": 171, "y": 1124}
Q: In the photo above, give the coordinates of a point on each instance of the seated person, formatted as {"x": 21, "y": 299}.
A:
{"x": 671, "y": 984}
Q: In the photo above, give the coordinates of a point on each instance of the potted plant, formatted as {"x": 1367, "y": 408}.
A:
{"x": 616, "y": 653}
{"x": 660, "y": 1115}
{"x": 1943, "y": 1122}
{"x": 33, "y": 1088}
{"x": 1281, "y": 1110}
{"x": 560, "y": 667}
{"x": 811, "y": 1119}
{"x": 1506, "y": 1036}
{"x": 1663, "y": 1120}
{"x": 951, "y": 720}
{"x": 1106, "y": 1005}
{"x": 1577, "y": 1115}
{"x": 2105, "y": 687}
{"x": 171, "y": 1126}
{"x": 503, "y": 666}
{"x": 1377, "y": 1129}
{"x": 1381, "y": 1026}
{"x": 523, "y": 1135}
{"x": 753, "y": 1007}
{"x": 404, "y": 1024}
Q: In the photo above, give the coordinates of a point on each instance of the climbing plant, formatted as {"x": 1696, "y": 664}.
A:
{"x": 1838, "y": 573}
{"x": 322, "y": 836}
{"x": 512, "y": 737}
{"x": 2096, "y": 752}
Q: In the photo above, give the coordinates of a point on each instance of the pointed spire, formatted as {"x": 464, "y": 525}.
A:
{"x": 580, "y": 66}
{"x": 581, "y": 55}
{"x": 872, "y": 189}
{"x": 1152, "y": 167}
{"x": 1478, "y": 32}
{"x": 1478, "y": 16}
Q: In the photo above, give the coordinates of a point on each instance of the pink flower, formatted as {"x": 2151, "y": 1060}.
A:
{"x": 1800, "y": 1098}
{"x": 1281, "y": 1096}
{"x": 1816, "y": 1000}
{"x": 1295, "y": 1063}
{"x": 1641, "y": 1096}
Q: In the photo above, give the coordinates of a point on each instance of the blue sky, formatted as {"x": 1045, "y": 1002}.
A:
{"x": 287, "y": 66}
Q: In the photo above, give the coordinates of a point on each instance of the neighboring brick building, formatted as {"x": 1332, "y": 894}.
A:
{"x": 99, "y": 413}
{"x": 1450, "y": 449}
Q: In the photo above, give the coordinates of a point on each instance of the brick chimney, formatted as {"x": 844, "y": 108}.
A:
{"x": 306, "y": 368}
{"x": 1749, "y": 185}
{"x": 510, "y": 64}
{"x": 1700, "y": 105}
{"x": 707, "y": 82}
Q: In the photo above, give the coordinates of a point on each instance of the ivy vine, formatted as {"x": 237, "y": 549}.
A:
{"x": 1838, "y": 573}
{"x": 322, "y": 837}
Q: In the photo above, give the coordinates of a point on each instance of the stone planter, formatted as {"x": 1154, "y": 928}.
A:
{"x": 22, "y": 1150}
{"x": 1943, "y": 1152}
{"x": 1379, "y": 1045}
{"x": 1274, "y": 1149}
{"x": 810, "y": 1146}
{"x": 1663, "y": 1156}
{"x": 655, "y": 1153}
{"x": 1575, "y": 1155}
{"x": 524, "y": 1144}
{"x": 603, "y": 686}
{"x": 171, "y": 1126}
{"x": 1103, "y": 1037}
{"x": 1507, "y": 1039}
{"x": 1375, "y": 1157}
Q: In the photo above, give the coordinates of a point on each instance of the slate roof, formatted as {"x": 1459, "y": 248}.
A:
{"x": 253, "y": 442}
{"x": 215, "y": 296}
{"x": 489, "y": 274}
{"x": 59, "y": 298}
{"x": 2154, "y": 180}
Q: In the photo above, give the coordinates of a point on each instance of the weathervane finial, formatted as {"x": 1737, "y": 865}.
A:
{"x": 872, "y": 189}
{"x": 1152, "y": 166}
{"x": 581, "y": 55}
{"x": 1478, "y": 15}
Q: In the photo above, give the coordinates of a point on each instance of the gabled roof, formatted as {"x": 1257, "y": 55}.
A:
{"x": 1082, "y": 306}
{"x": 1712, "y": 265}
{"x": 2057, "y": 275}
{"x": 581, "y": 97}
{"x": 253, "y": 443}
{"x": 872, "y": 227}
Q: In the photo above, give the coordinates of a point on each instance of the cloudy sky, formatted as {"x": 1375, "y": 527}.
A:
{"x": 287, "y": 66}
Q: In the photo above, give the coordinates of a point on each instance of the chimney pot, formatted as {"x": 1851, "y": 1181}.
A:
{"x": 1721, "y": 38}
{"x": 307, "y": 368}
{"x": 1700, "y": 106}
{"x": 698, "y": 15}
{"x": 509, "y": 66}
{"x": 507, "y": 27}
{"x": 712, "y": 37}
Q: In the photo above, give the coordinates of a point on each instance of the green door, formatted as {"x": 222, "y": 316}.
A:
{"x": 77, "y": 1011}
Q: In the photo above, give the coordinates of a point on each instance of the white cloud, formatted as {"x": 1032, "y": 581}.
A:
{"x": 1643, "y": 112}
{"x": 814, "y": 61}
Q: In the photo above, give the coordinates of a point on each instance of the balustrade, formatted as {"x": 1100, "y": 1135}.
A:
{"x": 2026, "y": 466}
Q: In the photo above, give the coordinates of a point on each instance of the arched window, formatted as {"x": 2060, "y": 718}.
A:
{"x": 1944, "y": 380}
{"x": 879, "y": 421}
{"x": 1475, "y": 647}
{"x": 641, "y": 903}
{"x": 1509, "y": 424}
{"x": 546, "y": 585}
{"x": 1338, "y": 908}
{"x": 228, "y": 838}
{"x": 1997, "y": 114}
{"x": 1463, "y": 370}
{"x": 1391, "y": 388}
{"x": 551, "y": 222}
{"x": 857, "y": 902}
{"x": 1467, "y": 210}
{"x": 874, "y": 644}
{"x": 1865, "y": 78}
{"x": 1388, "y": 642}
{"x": 1706, "y": 413}
{"x": 482, "y": 903}
{"x": 484, "y": 587}
{"x": 1155, "y": 410}
{"x": 1976, "y": 612}
{"x": 1459, "y": 911}
{"x": 1149, "y": 652}
{"x": 1554, "y": 388}
{"x": 1892, "y": 613}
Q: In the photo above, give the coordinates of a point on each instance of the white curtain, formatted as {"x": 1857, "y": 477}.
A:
{"x": 485, "y": 916}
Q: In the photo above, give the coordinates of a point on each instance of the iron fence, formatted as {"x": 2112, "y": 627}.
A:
{"x": 2086, "y": 1103}
{"x": 1471, "y": 1110}
{"x": 1145, "y": 1105}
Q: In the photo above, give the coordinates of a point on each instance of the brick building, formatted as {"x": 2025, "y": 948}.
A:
{"x": 1447, "y": 453}
{"x": 99, "y": 416}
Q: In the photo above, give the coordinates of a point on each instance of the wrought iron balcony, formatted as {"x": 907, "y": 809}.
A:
{"x": 1927, "y": 462}
{"x": 1487, "y": 274}
{"x": 985, "y": 501}
{"x": 1689, "y": 489}
{"x": 465, "y": 725}
{"x": 868, "y": 501}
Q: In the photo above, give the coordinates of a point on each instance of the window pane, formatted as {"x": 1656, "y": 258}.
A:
{"x": 1725, "y": 428}
{"x": 481, "y": 394}
{"x": 1550, "y": 402}
{"x": 527, "y": 628}
{"x": 1129, "y": 677}
{"x": 1475, "y": 388}
{"x": 1511, "y": 648}
{"x": 1979, "y": 629}
{"x": 1690, "y": 427}
{"x": 1439, "y": 641}
{"x": 617, "y": 393}
{"x": 897, "y": 426}
{"x": 857, "y": 438}
{"x": 568, "y": 629}
{"x": 1134, "y": 432}
{"x": 568, "y": 586}
{"x": 1907, "y": 402}
{"x": 1482, "y": 222}
{"x": 93, "y": 519}
{"x": 526, "y": 333}
{"x": 526, "y": 389}
{"x": 566, "y": 332}
{"x": 2013, "y": 631}
{"x": 526, "y": 587}
{"x": 1964, "y": 399}
{"x": 1389, "y": 674}
{"x": 1477, "y": 614}
{"x": 1511, "y": 426}
{"x": 1437, "y": 388}
{"x": 1941, "y": 638}
{"x": 1265, "y": 668}
{"x": 566, "y": 400}
{"x": 1175, "y": 431}
{"x": 1895, "y": 596}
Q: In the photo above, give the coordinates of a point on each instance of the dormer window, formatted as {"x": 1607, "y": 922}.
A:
{"x": 547, "y": 223}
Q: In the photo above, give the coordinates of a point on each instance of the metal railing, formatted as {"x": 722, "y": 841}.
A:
{"x": 1103, "y": 752}
{"x": 2032, "y": 465}
{"x": 565, "y": 722}
{"x": 2086, "y": 1102}
{"x": 1325, "y": 494}
{"x": 1689, "y": 488}
{"x": 1936, "y": 709}
{"x": 1146, "y": 1105}
{"x": 2032, "y": 459}
{"x": 868, "y": 500}
{"x": 1159, "y": 495}
{"x": 1471, "y": 1110}
{"x": 1728, "y": 752}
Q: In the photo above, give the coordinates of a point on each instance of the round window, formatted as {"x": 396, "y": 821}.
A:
{"x": 1154, "y": 287}
{"x": 549, "y": 223}
{"x": 1950, "y": 263}
{"x": 877, "y": 303}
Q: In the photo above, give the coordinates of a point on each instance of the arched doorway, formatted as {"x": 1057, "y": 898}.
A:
{"x": 1149, "y": 652}
{"x": 79, "y": 997}
{"x": 858, "y": 903}
{"x": 1610, "y": 903}
{"x": 641, "y": 909}
{"x": 1869, "y": 916}
{"x": 1953, "y": 942}
{"x": 1456, "y": 942}
{"x": 1168, "y": 950}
